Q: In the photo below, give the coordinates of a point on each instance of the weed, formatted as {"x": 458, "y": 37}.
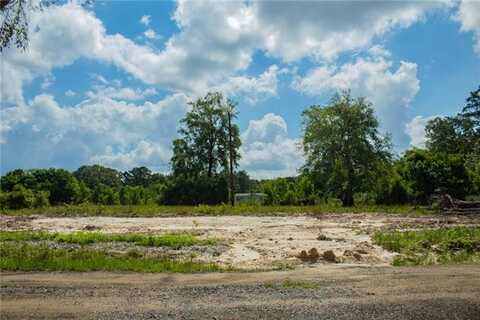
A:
{"x": 28, "y": 257}
{"x": 173, "y": 240}
{"x": 438, "y": 246}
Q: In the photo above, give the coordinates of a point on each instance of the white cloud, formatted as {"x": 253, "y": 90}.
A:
{"x": 267, "y": 151}
{"x": 101, "y": 92}
{"x": 415, "y": 129}
{"x": 390, "y": 91}
{"x": 253, "y": 89}
{"x": 469, "y": 17}
{"x": 323, "y": 29}
{"x": 43, "y": 133}
{"x": 151, "y": 34}
{"x": 145, "y": 20}
{"x": 216, "y": 39}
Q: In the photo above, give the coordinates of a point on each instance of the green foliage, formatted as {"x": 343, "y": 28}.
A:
{"x": 343, "y": 147}
{"x": 95, "y": 175}
{"x": 472, "y": 107}
{"x": 428, "y": 173}
{"x": 452, "y": 135}
{"x": 29, "y": 257}
{"x": 142, "y": 176}
{"x": 173, "y": 240}
{"x": 446, "y": 245}
{"x": 204, "y": 145}
{"x": 186, "y": 190}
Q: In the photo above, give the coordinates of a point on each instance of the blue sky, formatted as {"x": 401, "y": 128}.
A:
{"x": 108, "y": 84}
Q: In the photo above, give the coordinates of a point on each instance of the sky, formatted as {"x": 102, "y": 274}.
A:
{"x": 108, "y": 84}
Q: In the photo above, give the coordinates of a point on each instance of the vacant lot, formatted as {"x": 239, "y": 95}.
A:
{"x": 345, "y": 268}
{"x": 248, "y": 242}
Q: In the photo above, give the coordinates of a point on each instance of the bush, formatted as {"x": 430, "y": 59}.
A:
{"x": 41, "y": 199}
{"x": 19, "y": 198}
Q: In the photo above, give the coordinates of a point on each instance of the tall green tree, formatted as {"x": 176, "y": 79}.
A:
{"x": 343, "y": 146}
{"x": 459, "y": 134}
{"x": 206, "y": 141}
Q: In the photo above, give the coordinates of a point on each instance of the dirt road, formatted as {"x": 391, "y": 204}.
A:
{"x": 320, "y": 292}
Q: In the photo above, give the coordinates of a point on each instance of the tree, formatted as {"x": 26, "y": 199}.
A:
{"x": 450, "y": 135}
{"x": 205, "y": 141}
{"x": 233, "y": 144}
{"x": 15, "y": 16}
{"x": 14, "y": 28}
{"x": 139, "y": 176}
{"x": 427, "y": 173}
{"x": 342, "y": 145}
{"x": 472, "y": 107}
{"x": 206, "y": 152}
{"x": 94, "y": 175}
{"x": 458, "y": 134}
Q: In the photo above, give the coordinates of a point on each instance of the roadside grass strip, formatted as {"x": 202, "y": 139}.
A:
{"x": 172, "y": 240}
{"x": 28, "y": 257}
{"x": 426, "y": 247}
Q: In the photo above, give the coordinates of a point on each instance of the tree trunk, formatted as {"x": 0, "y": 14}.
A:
{"x": 347, "y": 199}
{"x": 231, "y": 191}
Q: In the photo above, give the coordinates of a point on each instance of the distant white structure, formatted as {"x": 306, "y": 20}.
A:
{"x": 252, "y": 198}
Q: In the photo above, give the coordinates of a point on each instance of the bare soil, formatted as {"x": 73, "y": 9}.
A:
{"x": 260, "y": 242}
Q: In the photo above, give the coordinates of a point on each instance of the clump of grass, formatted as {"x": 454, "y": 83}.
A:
{"x": 151, "y": 210}
{"x": 437, "y": 246}
{"x": 28, "y": 257}
{"x": 173, "y": 240}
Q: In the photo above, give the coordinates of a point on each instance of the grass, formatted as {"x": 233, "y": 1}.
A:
{"x": 28, "y": 257}
{"x": 155, "y": 210}
{"x": 438, "y": 246}
{"x": 173, "y": 240}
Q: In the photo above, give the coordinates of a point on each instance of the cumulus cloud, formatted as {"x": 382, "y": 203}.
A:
{"x": 415, "y": 129}
{"x": 252, "y": 89}
{"x": 323, "y": 29}
{"x": 468, "y": 15}
{"x": 125, "y": 93}
{"x": 389, "y": 90}
{"x": 42, "y": 133}
{"x": 213, "y": 48}
{"x": 267, "y": 150}
{"x": 215, "y": 41}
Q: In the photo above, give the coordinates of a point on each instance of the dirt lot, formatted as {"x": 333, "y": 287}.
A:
{"x": 333, "y": 292}
{"x": 360, "y": 285}
{"x": 253, "y": 242}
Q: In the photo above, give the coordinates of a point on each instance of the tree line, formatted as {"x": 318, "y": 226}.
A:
{"x": 347, "y": 158}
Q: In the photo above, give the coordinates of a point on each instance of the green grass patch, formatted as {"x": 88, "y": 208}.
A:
{"x": 218, "y": 210}
{"x": 28, "y": 257}
{"x": 173, "y": 240}
{"x": 436, "y": 246}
